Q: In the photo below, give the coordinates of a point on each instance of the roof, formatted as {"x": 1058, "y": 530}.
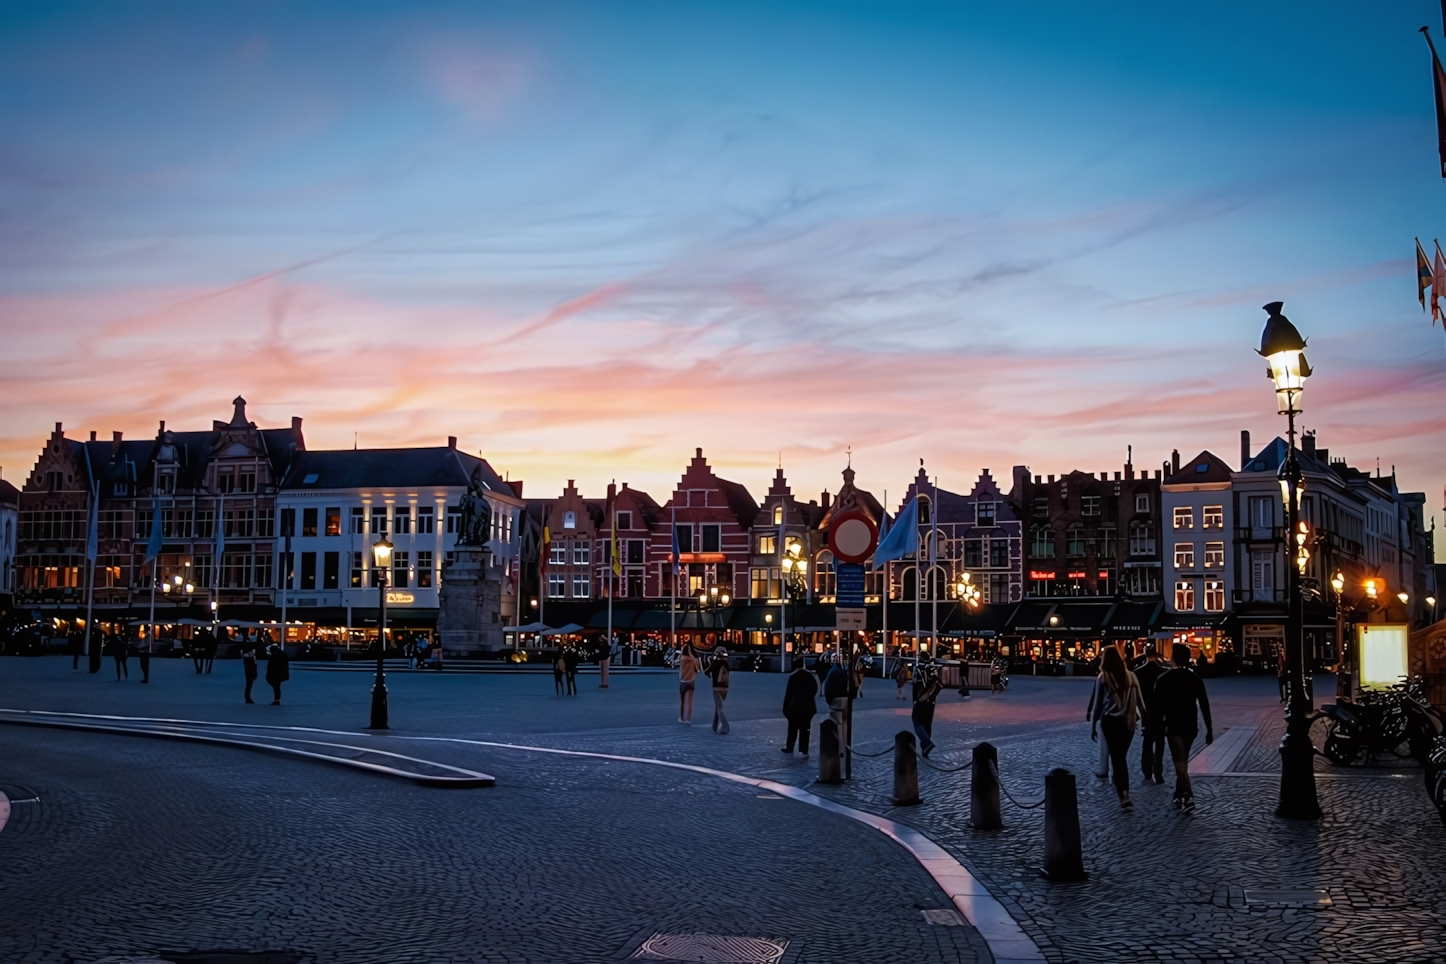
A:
{"x": 9, "y": 495}
{"x": 739, "y": 500}
{"x": 391, "y": 469}
{"x": 1270, "y": 458}
{"x": 1205, "y": 467}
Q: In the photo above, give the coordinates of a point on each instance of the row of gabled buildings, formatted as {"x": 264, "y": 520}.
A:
{"x": 254, "y": 523}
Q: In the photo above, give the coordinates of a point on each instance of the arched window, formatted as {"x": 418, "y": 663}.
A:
{"x": 937, "y": 584}
{"x": 778, "y": 514}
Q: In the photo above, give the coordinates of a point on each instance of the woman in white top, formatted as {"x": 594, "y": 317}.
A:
{"x": 1120, "y": 713}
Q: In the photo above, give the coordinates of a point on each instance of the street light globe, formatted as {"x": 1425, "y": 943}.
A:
{"x": 1284, "y": 352}
{"x": 1338, "y": 581}
{"x": 787, "y": 563}
{"x": 1371, "y": 588}
{"x": 176, "y": 580}
{"x": 768, "y": 618}
{"x": 165, "y": 587}
{"x": 1403, "y": 596}
{"x": 214, "y": 605}
{"x": 1431, "y": 601}
{"x": 725, "y": 599}
{"x": 190, "y": 588}
{"x": 381, "y": 552}
{"x": 803, "y": 565}
{"x": 702, "y": 598}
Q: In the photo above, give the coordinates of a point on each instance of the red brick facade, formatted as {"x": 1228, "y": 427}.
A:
{"x": 713, "y": 516}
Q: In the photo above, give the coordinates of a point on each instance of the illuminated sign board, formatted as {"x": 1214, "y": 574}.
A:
{"x": 400, "y": 598}
{"x": 1038, "y": 574}
{"x": 1382, "y": 647}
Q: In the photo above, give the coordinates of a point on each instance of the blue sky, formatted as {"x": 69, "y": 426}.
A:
{"x": 586, "y": 238}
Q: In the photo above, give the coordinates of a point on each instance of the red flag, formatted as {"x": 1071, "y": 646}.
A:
{"x": 1438, "y": 86}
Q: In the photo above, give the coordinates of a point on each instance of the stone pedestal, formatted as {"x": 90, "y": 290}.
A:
{"x": 469, "y": 622}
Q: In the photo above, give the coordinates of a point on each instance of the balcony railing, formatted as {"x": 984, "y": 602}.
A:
{"x": 1240, "y": 596}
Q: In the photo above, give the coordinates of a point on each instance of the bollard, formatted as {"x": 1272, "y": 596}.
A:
{"x": 984, "y": 789}
{"x": 1063, "y": 856}
{"x": 828, "y": 761}
{"x": 906, "y": 770}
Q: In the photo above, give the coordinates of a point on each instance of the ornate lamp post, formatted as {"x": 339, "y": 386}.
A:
{"x": 1284, "y": 351}
{"x": 381, "y": 560}
{"x": 795, "y": 577}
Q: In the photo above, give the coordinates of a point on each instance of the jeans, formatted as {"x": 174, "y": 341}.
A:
{"x": 557, "y": 682}
{"x": 1118, "y": 737}
{"x": 923, "y": 719}
{"x": 1180, "y": 742}
{"x": 1152, "y": 752}
{"x": 720, "y": 720}
{"x": 572, "y": 683}
{"x": 798, "y": 729}
{"x": 276, "y": 688}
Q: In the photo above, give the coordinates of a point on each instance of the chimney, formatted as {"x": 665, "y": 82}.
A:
{"x": 297, "y": 442}
{"x": 1051, "y": 478}
{"x": 1244, "y": 449}
{"x": 1037, "y": 481}
{"x": 1307, "y": 443}
{"x": 92, "y": 435}
{"x": 824, "y": 501}
{"x": 115, "y": 442}
{"x": 163, "y": 427}
{"x": 1157, "y": 473}
{"x": 1117, "y": 476}
{"x": 1174, "y": 461}
{"x": 58, "y": 429}
{"x": 451, "y": 441}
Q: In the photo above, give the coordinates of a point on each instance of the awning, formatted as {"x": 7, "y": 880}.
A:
{"x": 567, "y": 630}
{"x": 1134, "y": 619}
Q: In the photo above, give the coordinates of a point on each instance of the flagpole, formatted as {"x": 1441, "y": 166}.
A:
{"x": 92, "y": 539}
{"x": 612, "y": 559}
{"x": 673, "y": 583}
{"x": 884, "y": 600}
{"x": 933, "y": 560}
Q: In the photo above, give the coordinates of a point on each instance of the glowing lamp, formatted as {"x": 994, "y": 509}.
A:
{"x": 1284, "y": 353}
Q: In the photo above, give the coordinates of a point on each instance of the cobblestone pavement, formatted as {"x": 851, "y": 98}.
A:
{"x": 1163, "y": 887}
{"x": 141, "y": 850}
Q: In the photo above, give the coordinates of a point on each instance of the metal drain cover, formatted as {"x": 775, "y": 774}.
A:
{"x": 712, "y": 949}
{"x": 944, "y": 918}
{"x": 1289, "y": 897}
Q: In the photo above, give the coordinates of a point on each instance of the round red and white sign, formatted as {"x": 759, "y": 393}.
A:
{"x": 852, "y": 536}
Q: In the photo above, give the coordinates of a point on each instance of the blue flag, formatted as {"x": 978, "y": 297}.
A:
{"x": 676, "y": 565}
{"x": 92, "y": 527}
{"x": 153, "y": 545}
{"x": 903, "y": 538}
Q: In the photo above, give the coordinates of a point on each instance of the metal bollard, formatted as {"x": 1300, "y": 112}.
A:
{"x": 906, "y": 770}
{"x": 828, "y": 755}
{"x": 984, "y": 789}
{"x": 1063, "y": 856}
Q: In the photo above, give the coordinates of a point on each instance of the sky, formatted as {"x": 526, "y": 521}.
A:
{"x": 588, "y": 238}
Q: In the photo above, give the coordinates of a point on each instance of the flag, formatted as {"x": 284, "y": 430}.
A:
{"x": 92, "y": 527}
{"x": 677, "y": 564}
{"x": 546, "y": 544}
{"x": 153, "y": 544}
{"x": 1438, "y": 87}
{"x": 617, "y": 562}
{"x": 903, "y": 538}
{"x": 1424, "y": 277}
{"x": 883, "y": 534}
{"x": 220, "y": 536}
{"x": 1438, "y": 285}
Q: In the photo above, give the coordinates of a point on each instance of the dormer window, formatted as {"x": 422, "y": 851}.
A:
{"x": 225, "y": 482}
{"x": 569, "y": 520}
{"x": 778, "y": 515}
{"x": 625, "y": 520}
{"x": 166, "y": 482}
{"x": 247, "y": 480}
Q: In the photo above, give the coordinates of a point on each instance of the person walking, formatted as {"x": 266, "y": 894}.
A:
{"x": 76, "y": 643}
{"x": 609, "y": 654}
{"x": 559, "y": 668}
{"x": 926, "y": 691}
{"x": 248, "y": 668}
{"x": 1119, "y": 713}
{"x": 117, "y": 648}
{"x": 687, "y": 680}
{"x": 718, "y": 673}
{"x": 212, "y": 644}
{"x": 1179, "y": 696}
{"x": 1093, "y": 712}
{"x": 799, "y": 706}
{"x": 903, "y": 673}
{"x": 143, "y": 655}
{"x": 1152, "y": 737}
{"x": 569, "y": 662}
{"x": 278, "y": 671}
{"x": 836, "y": 697}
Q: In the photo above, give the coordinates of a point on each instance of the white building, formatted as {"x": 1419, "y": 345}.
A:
{"x": 1198, "y": 517}
{"x": 336, "y": 505}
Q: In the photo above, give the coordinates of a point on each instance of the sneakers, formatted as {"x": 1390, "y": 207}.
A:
{"x": 1126, "y": 803}
{"x": 1187, "y": 804}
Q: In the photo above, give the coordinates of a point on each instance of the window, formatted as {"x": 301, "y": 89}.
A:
{"x": 984, "y": 514}
{"x": 758, "y": 584}
{"x": 924, "y": 505}
{"x": 767, "y": 545}
{"x": 825, "y": 579}
{"x": 1214, "y": 555}
{"x": 424, "y": 570}
{"x": 166, "y": 482}
{"x": 636, "y": 548}
{"x": 556, "y": 585}
{"x": 308, "y": 571}
{"x": 1142, "y": 503}
{"x": 684, "y": 536}
{"x": 569, "y": 520}
{"x": 454, "y": 514}
{"x": 401, "y": 570}
{"x": 379, "y": 520}
{"x": 246, "y": 480}
{"x": 973, "y": 554}
{"x": 1089, "y": 505}
{"x": 1185, "y": 596}
{"x": 236, "y": 570}
{"x": 999, "y": 553}
{"x": 581, "y": 553}
{"x": 402, "y": 520}
{"x": 333, "y": 522}
{"x": 308, "y": 523}
{"x": 1214, "y": 517}
{"x": 358, "y": 520}
{"x": 1142, "y": 581}
{"x": 581, "y": 587}
{"x": 1215, "y": 597}
{"x": 712, "y": 538}
{"x": 265, "y": 523}
{"x": 1262, "y": 511}
{"x": 1041, "y": 542}
{"x": 112, "y": 525}
{"x": 1184, "y": 517}
{"x": 331, "y": 570}
{"x": 1108, "y": 546}
{"x": 1184, "y": 555}
{"x": 625, "y": 520}
{"x": 1142, "y": 539}
{"x": 1262, "y": 576}
{"x": 240, "y": 523}
{"x": 996, "y": 588}
{"x": 1041, "y": 505}
{"x": 356, "y": 570}
{"x": 426, "y": 520}
{"x": 1074, "y": 541}
{"x": 557, "y": 554}
{"x": 288, "y": 522}
{"x": 225, "y": 482}
{"x": 778, "y": 515}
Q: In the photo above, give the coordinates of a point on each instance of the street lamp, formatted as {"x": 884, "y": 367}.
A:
{"x": 795, "y": 577}
{"x": 1431, "y": 601}
{"x": 1284, "y": 351}
{"x": 967, "y": 591}
{"x": 381, "y": 560}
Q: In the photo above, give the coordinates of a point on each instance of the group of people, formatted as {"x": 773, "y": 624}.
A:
{"x": 1168, "y": 698}
{"x": 716, "y": 668}
{"x": 278, "y": 669}
{"x": 839, "y": 685}
{"x": 564, "y": 666}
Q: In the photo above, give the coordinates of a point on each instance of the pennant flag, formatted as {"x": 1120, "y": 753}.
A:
{"x": 153, "y": 545}
{"x": 903, "y": 538}
{"x": 1438, "y": 87}
{"x": 1438, "y": 286}
{"x": 1423, "y": 274}
{"x": 92, "y": 528}
{"x": 677, "y": 564}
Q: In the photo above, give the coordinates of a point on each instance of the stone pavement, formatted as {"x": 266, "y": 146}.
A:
{"x": 1230, "y": 882}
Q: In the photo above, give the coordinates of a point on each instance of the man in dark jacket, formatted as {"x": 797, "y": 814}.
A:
{"x": 926, "y": 691}
{"x": 1152, "y": 744}
{"x": 799, "y": 706}
{"x": 248, "y": 667}
{"x": 1177, "y": 695}
{"x": 278, "y": 671}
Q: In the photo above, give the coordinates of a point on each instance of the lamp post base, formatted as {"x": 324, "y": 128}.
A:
{"x": 1298, "y": 799}
{"x": 379, "y": 705}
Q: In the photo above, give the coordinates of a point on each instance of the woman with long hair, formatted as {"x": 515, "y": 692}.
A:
{"x": 688, "y": 668}
{"x": 1120, "y": 713}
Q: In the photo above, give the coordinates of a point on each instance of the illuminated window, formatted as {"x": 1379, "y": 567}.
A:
{"x": 1185, "y": 597}
{"x": 1214, "y": 517}
{"x": 767, "y": 545}
{"x": 1184, "y": 555}
{"x": 1184, "y": 517}
{"x": 1214, "y": 555}
{"x": 1215, "y": 597}
{"x": 778, "y": 515}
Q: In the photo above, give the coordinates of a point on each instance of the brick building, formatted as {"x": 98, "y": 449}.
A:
{"x": 714, "y": 519}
